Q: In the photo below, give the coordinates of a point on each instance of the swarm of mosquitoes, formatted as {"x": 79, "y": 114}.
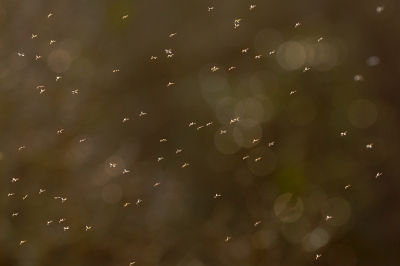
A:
{"x": 169, "y": 53}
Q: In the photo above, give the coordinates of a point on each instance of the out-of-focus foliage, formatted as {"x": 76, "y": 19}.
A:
{"x": 266, "y": 135}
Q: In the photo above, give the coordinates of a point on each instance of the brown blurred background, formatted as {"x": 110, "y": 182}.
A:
{"x": 307, "y": 108}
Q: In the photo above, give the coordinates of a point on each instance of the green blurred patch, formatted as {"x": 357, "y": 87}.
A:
{"x": 291, "y": 179}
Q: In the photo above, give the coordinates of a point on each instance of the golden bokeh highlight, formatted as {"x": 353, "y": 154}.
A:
{"x": 288, "y": 207}
{"x": 315, "y": 240}
{"x": 303, "y": 52}
{"x": 249, "y": 109}
{"x": 225, "y": 142}
{"x": 247, "y": 133}
{"x": 291, "y": 55}
{"x": 225, "y": 109}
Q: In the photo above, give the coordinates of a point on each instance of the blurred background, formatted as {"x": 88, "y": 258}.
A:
{"x": 199, "y": 132}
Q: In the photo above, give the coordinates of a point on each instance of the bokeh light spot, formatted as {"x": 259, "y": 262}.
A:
{"x": 288, "y": 207}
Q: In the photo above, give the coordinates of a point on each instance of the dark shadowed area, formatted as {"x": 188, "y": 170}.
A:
{"x": 198, "y": 133}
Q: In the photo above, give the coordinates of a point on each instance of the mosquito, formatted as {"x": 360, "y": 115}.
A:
{"x": 214, "y": 68}
{"x": 271, "y": 144}
{"x": 125, "y": 171}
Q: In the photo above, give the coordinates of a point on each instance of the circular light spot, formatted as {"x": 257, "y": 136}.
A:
{"x": 358, "y": 78}
{"x": 249, "y": 108}
{"x": 301, "y": 111}
{"x": 342, "y": 255}
{"x": 225, "y": 109}
{"x": 291, "y": 55}
{"x": 315, "y": 240}
{"x": 261, "y": 161}
{"x": 288, "y": 208}
{"x": 111, "y": 193}
{"x": 225, "y": 142}
{"x": 339, "y": 209}
{"x": 373, "y": 61}
{"x": 59, "y": 61}
{"x": 362, "y": 113}
{"x": 247, "y": 133}
{"x": 326, "y": 57}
